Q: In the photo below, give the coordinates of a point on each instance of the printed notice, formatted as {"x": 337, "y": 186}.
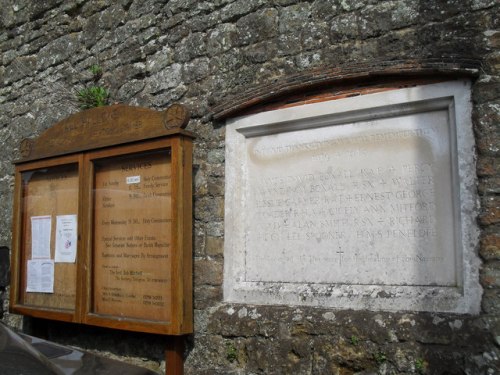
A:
{"x": 133, "y": 180}
{"x": 40, "y": 276}
{"x": 40, "y": 237}
{"x": 66, "y": 238}
{"x": 132, "y": 236}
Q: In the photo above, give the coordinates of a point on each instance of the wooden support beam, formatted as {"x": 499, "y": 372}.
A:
{"x": 174, "y": 361}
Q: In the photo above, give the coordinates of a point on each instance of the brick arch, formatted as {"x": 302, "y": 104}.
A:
{"x": 354, "y": 79}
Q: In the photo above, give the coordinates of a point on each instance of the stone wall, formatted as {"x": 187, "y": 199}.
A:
{"x": 205, "y": 54}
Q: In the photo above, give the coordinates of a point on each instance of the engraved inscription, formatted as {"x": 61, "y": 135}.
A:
{"x": 365, "y": 203}
{"x": 100, "y": 127}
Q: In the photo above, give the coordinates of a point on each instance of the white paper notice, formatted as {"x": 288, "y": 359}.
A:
{"x": 40, "y": 237}
{"x": 66, "y": 238}
{"x": 133, "y": 180}
{"x": 40, "y": 276}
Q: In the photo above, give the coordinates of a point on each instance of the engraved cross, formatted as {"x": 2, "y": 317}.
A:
{"x": 340, "y": 257}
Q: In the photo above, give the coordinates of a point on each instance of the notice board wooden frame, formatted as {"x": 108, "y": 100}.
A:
{"x": 106, "y": 136}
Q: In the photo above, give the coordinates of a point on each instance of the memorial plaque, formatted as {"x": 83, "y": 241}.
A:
{"x": 132, "y": 236}
{"x": 354, "y": 203}
{"x": 48, "y": 194}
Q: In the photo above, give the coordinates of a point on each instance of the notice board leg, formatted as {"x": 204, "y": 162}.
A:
{"x": 174, "y": 356}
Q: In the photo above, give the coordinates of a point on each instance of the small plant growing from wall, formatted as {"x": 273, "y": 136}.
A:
{"x": 354, "y": 340}
{"x": 94, "y": 95}
{"x": 380, "y": 357}
{"x": 420, "y": 366}
{"x": 231, "y": 352}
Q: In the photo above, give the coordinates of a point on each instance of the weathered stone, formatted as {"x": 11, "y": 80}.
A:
{"x": 198, "y": 107}
{"x": 165, "y": 98}
{"x": 58, "y": 51}
{"x": 335, "y": 355}
{"x": 177, "y": 33}
{"x": 200, "y": 180}
{"x": 125, "y": 73}
{"x": 489, "y": 185}
{"x": 177, "y": 6}
{"x": 159, "y": 60}
{"x": 257, "y": 27}
{"x": 490, "y": 212}
{"x": 195, "y": 70}
{"x": 202, "y": 53}
{"x": 486, "y": 116}
{"x": 378, "y": 19}
{"x": 18, "y": 69}
{"x": 192, "y": 46}
{"x": 315, "y": 35}
{"x": 308, "y": 60}
{"x": 203, "y": 22}
{"x": 404, "y": 13}
{"x": 289, "y": 44}
{"x": 209, "y": 208}
{"x": 236, "y": 322}
{"x": 229, "y": 62}
{"x": 207, "y": 357}
{"x": 207, "y": 272}
{"x": 294, "y": 17}
{"x": 165, "y": 79}
{"x": 488, "y": 166}
{"x": 490, "y": 302}
{"x": 259, "y": 52}
{"x": 214, "y": 246}
{"x": 221, "y": 39}
{"x": 206, "y": 296}
{"x": 490, "y": 275}
{"x": 277, "y": 360}
{"x": 432, "y": 11}
{"x": 480, "y": 4}
{"x": 215, "y": 187}
{"x": 345, "y": 27}
{"x": 239, "y": 8}
{"x": 109, "y": 18}
{"x": 490, "y": 246}
{"x": 129, "y": 90}
{"x": 324, "y": 9}
{"x": 486, "y": 91}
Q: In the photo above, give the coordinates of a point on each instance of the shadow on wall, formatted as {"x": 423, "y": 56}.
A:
{"x": 4, "y": 276}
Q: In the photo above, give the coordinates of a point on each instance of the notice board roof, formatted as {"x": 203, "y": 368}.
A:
{"x": 105, "y": 126}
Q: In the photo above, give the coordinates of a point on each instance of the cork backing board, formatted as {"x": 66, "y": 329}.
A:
{"x": 49, "y": 193}
{"x": 132, "y": 241}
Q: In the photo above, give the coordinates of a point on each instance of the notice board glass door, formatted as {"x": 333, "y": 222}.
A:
{"x": 133, "y": 235}
{"x": 48, "y": 196}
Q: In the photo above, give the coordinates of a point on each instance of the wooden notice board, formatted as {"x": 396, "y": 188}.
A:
{"x": 102, "y": 235}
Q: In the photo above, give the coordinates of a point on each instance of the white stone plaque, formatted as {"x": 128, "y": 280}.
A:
{"x": 355, "y": 203}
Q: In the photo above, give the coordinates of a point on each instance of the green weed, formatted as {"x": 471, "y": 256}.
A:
{"x": 231, "y": 352}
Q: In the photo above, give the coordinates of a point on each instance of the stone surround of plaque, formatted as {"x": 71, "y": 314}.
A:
{"x": 361, "y": 203}
{"x": 103, "y": 221}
